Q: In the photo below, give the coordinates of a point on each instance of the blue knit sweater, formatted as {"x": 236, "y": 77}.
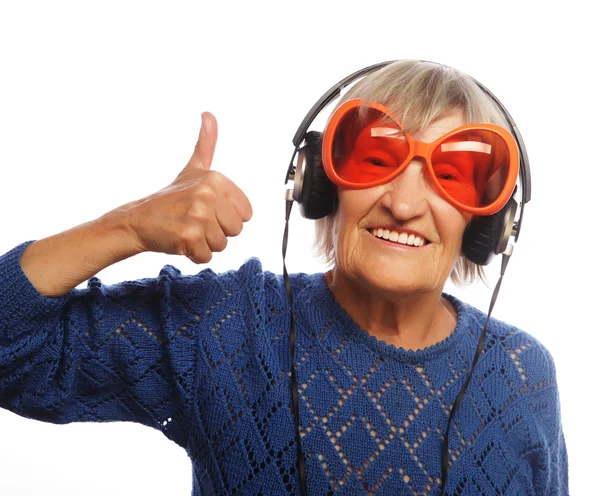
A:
{"x": 204, "y": 359}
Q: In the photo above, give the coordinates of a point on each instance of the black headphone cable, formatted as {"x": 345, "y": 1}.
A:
{"x": 505, "y": 258}
{"x": 294, "y": 381}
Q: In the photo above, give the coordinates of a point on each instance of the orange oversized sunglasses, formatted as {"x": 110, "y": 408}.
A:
{"x": 474, "y": 167}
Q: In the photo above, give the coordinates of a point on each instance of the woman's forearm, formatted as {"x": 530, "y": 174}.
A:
{"x": 57, "y": 264}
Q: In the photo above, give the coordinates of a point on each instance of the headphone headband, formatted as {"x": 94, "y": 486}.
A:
{"x": 330, "y": 95}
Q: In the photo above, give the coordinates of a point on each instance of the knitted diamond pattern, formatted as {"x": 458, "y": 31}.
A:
{"x": 205, "y": 360}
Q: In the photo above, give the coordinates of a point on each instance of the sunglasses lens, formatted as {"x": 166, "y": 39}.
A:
{"x": 367, "y": 146}
{"x": 472, "y": 166}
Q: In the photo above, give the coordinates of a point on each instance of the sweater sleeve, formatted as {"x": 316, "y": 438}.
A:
{"x": 547, "y": 454}
{"x": 553, "y": 477}
{"x": 124, "y": 352}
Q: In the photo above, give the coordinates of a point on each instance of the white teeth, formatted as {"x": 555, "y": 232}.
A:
{"x": 402, "y": 238}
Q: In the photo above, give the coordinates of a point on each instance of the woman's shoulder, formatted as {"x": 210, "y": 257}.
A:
{"x": 532, "y": 359}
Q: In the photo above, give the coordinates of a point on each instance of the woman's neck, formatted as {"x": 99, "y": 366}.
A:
{"x": 410, "y": 322}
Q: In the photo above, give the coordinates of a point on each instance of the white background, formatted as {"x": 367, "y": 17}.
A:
{"x": 100, "y": 104}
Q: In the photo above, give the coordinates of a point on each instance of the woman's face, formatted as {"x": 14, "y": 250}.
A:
{"x": 406, "y": 205}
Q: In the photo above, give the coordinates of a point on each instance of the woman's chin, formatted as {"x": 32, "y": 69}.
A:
{"x": 385, "y": 281}
{"x": 398, "y": 284}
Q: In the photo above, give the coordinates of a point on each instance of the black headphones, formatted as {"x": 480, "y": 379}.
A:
{"x": 484, "y": 237}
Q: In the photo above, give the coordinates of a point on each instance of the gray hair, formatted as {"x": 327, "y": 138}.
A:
{"x": 418, "y": 93}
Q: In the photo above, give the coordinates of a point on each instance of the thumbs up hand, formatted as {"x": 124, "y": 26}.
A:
{"x": 196, "y": 213}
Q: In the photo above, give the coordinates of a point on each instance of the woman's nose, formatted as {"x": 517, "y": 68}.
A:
{"x": 407, "y": 194}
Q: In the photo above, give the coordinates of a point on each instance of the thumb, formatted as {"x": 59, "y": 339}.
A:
{"x": 207, "y": 141}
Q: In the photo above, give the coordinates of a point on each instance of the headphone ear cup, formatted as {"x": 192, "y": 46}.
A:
{"x": 488, "y": 236}
{"x": 317, "y": 197}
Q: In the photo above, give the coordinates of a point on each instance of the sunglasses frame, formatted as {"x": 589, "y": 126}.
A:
{"x": 420, "y": 149}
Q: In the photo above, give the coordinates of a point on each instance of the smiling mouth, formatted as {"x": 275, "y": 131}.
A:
{"x": 402, "y": 238}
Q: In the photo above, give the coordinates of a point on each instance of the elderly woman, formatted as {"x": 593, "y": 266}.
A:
{"x": 397, "y": 387}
